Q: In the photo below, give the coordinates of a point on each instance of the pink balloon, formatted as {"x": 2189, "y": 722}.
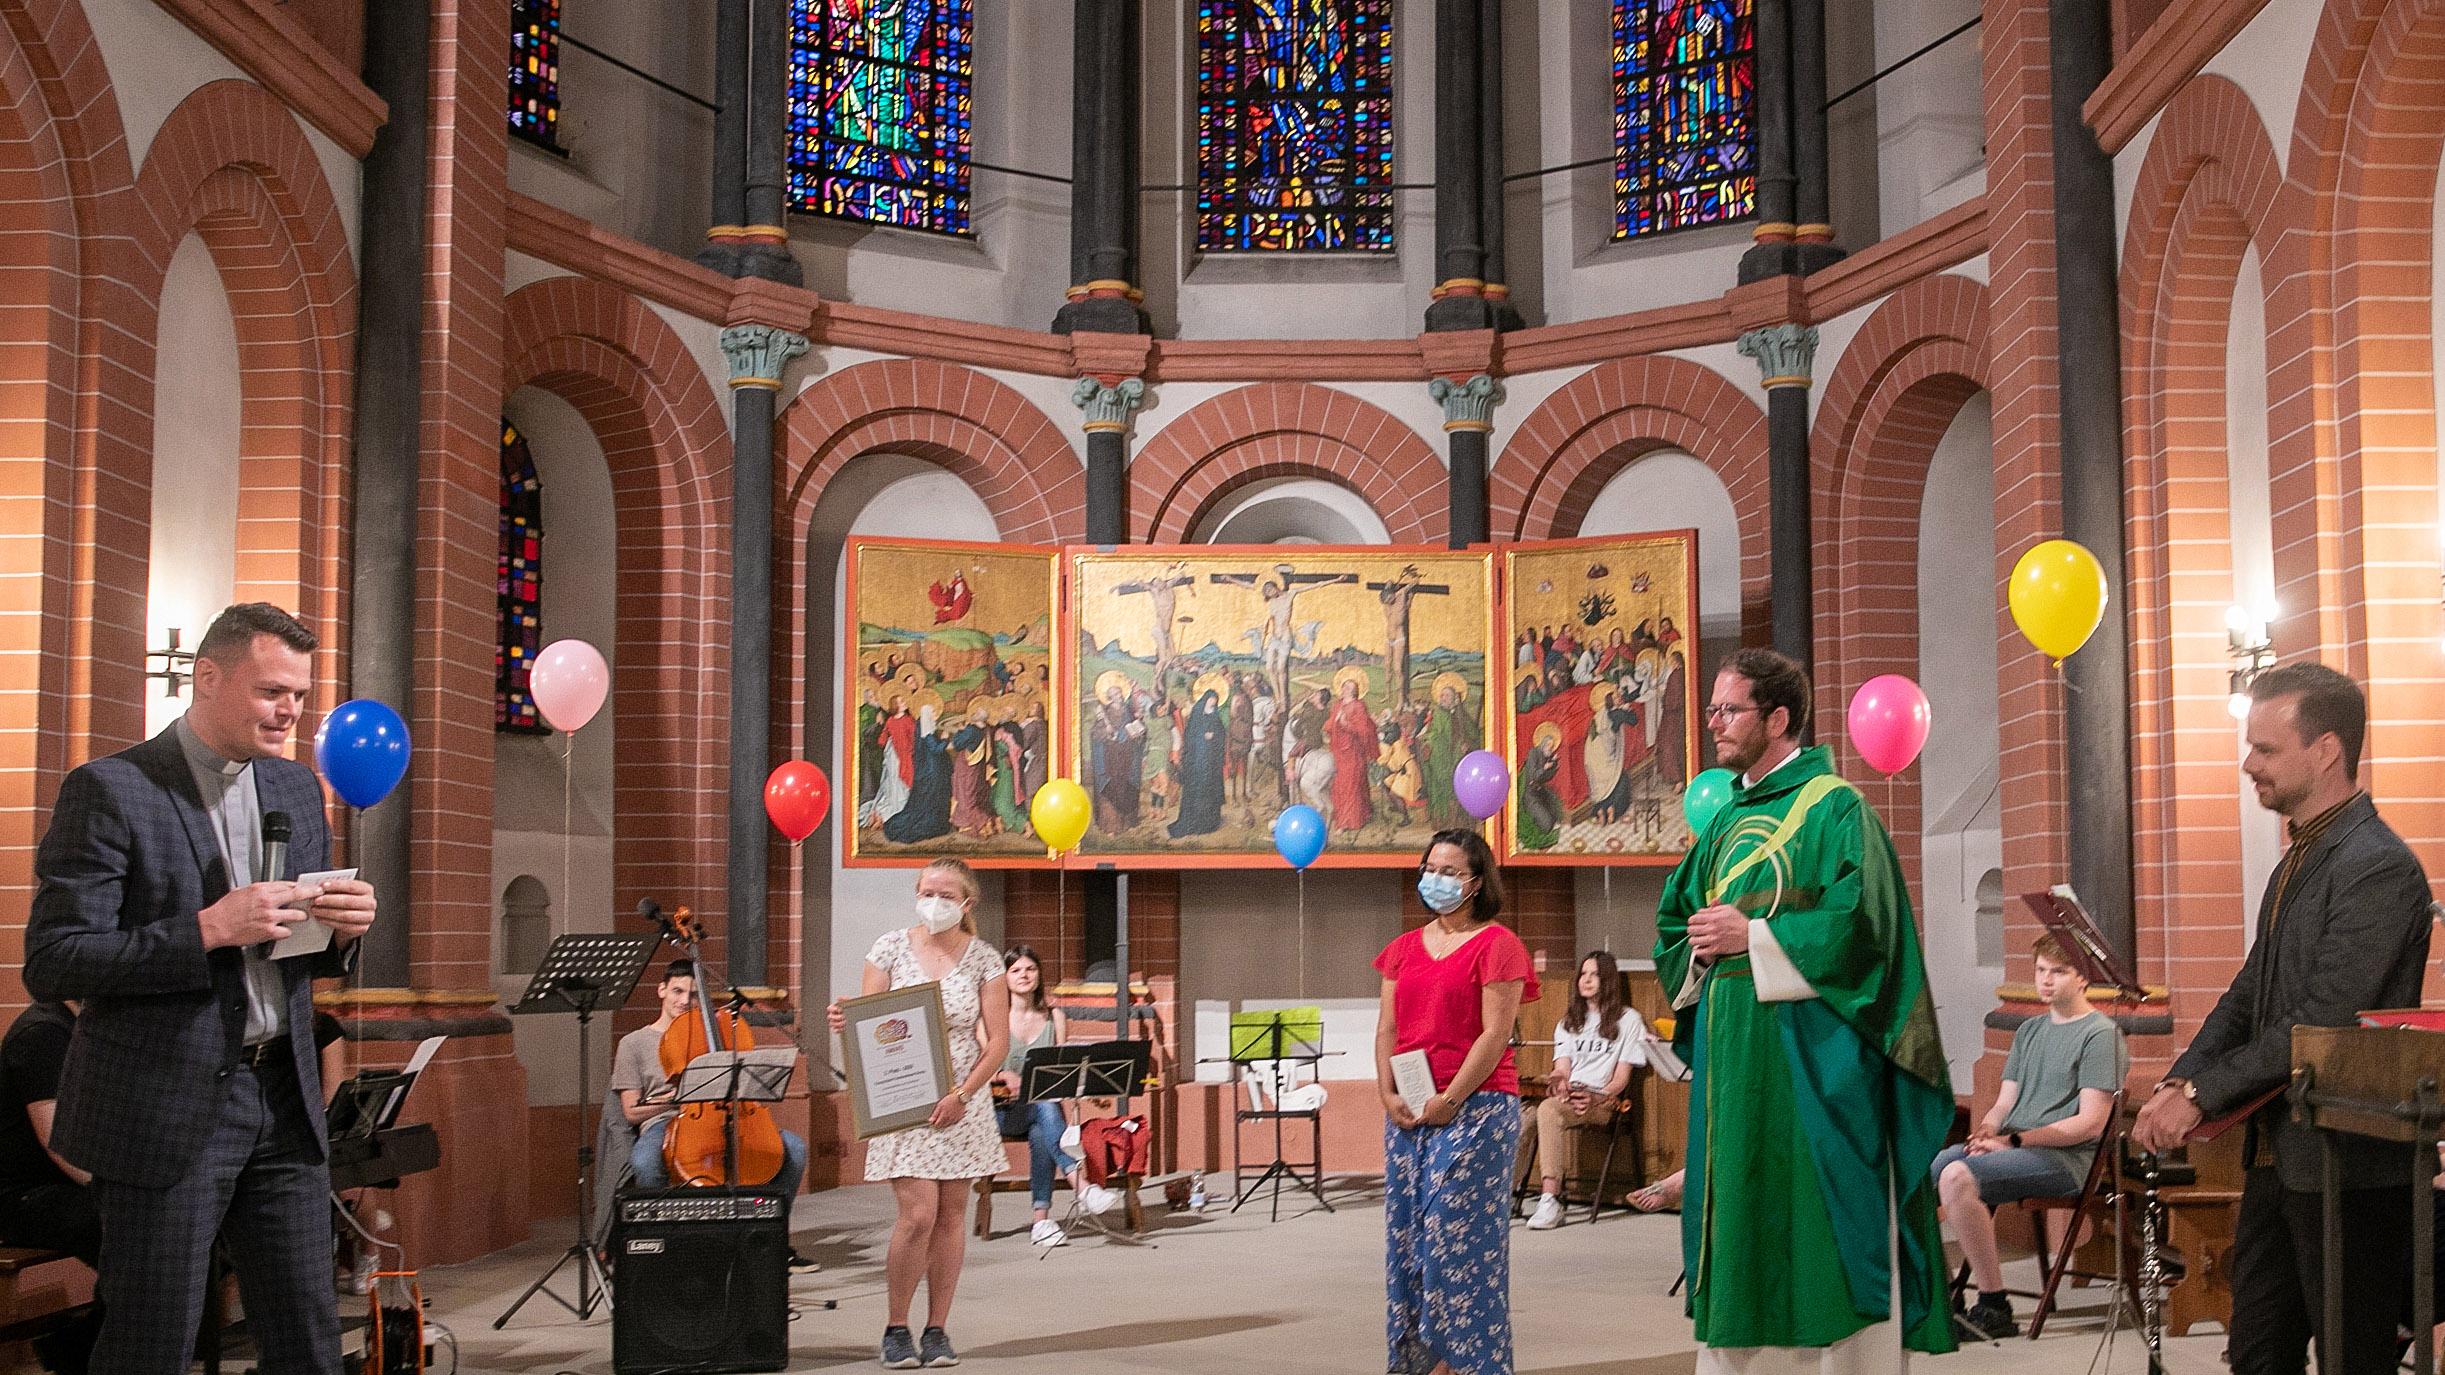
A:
{"x": 570, "y": 681}
{"x": 1889, "y": 722}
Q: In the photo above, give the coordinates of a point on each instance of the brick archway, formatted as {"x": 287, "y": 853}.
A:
{"x": 1898, "y": 387}
{"x": 1286, "y": 429}
{"x": 664, "y": 438}
{"x": 230, "y": 166}
{"x": 1585, "y": 434}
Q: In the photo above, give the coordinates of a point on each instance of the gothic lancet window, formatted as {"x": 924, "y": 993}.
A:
{"x": 521, "y": 588}
{"x": 534, "y": 72}
{"x": 880, "y": 101}
{"x": 1294, "y": 126}
{"x": 1684, "y": 122}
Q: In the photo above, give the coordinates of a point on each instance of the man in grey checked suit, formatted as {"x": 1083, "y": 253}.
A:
{"x": 191, "y": 1092}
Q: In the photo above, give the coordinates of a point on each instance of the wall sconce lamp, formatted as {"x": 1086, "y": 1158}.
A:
{"x": 2252, "y": 652}
{"x": 177, "y": 666}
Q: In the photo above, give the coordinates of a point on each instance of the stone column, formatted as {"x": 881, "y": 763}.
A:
{"x": 1468, "y": 420}
{"x": 1772, "y": 254}
{"x": 1490, "y": 163}
{"x": 757, "y": 354}
{"x": 1460, "y": 253}
{"x": 1785, "y": 354}
{"x": 1104, "y": 120}
{"x": 389, "y": 426}
{"x": 1107, "y": 406}
{"x": 764, "y": 237}
{"x": 1813, "y": 235}
{"x": 2097, "y": 711}
{"x": 721, "y": 250}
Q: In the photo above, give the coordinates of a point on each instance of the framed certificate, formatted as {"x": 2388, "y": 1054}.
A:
{"x": 898, "y": 1061}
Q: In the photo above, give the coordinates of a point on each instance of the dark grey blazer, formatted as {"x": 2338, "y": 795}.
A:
{"x": 128, "y": 862}
{"x": 2354, "y": 936}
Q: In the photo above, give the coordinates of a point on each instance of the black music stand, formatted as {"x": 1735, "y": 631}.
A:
{"x": 1276, "y": 1041}
{"x": 582, "y": 971}
{"x": 736, "y": 1076}
{"x": 1094, "y": 1069}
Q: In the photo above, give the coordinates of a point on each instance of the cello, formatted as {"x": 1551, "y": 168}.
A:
{"x": 713, "y": 1144}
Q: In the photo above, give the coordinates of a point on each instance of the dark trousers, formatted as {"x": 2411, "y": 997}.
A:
{"x": 262, "y": 1186}
{"x": 2279, "y": 1277}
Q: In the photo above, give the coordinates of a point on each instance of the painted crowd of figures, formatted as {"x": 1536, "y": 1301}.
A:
{"x": 924, "y": 774}
{"x": 1594, "y": 719}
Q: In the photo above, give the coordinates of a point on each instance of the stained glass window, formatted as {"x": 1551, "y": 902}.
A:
{"x": 1294, "y": 126}
{"x": 880, "y": 100}
{"x": 1684, "y": 114}
{"x": 521, "y": 587}
{"x": 534, "y": 72}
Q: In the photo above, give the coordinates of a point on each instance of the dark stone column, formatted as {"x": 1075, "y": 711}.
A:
{"x": 721, "y": 250}
{"x": 1460, "y": 252}
{"x": 389, "y": 424}
{"x": 1468, "y": 419}
{"x": 1490, "y": 163}
{"x": 1104, "y": 118}
{"x": 1106, "y": 408}
{"x": 1813, "y": 235}
{"x": 757, "y": 354}
{"x": 2096, "y": 713}
{"x": 1785, "y": 354}
{"x": 1777, "y": 179}
{"x": 764, "y": 240}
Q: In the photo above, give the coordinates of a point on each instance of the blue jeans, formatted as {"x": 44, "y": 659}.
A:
{"x": 1042, "y": 1124}
{"x": 645, "y": 1160}
{"x": 2009, "y": 1175}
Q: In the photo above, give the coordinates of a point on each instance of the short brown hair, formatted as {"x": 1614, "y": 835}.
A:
{"x": 2324, "y": 703}
{"x": 233, "y": 632}
{"x": 2048, "y": 948}
{"x": 1775, "y": 680}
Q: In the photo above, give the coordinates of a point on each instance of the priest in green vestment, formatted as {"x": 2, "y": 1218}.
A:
{"x": 1820, "y": 1094}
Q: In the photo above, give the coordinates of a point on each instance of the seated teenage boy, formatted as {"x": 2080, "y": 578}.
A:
{"x": 2038, "y": 1138}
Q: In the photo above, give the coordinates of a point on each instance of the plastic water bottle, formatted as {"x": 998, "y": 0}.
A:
{"x": 1197, "y": 1193}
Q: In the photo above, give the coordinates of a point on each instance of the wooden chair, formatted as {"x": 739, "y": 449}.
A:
{"x": 1623, "y": 1127}
{"x": 2094, "y": 1190}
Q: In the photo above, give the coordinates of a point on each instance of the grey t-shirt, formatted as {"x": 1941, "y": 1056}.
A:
{"x": 637, "y": 1064}
{"x": 2052, "y": 1061}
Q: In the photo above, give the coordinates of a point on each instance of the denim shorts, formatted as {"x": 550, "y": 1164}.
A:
{"x": 2011, "y": 1174}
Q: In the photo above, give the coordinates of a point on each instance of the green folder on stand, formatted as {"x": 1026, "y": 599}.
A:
{"x": 1253, "y": 1033}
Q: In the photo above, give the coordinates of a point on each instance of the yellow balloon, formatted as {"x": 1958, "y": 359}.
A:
{"x": 2058, "y": 597}
{"x": 1060, "y": 811}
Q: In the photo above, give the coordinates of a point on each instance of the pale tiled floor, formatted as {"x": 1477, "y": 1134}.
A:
{"x": 1214, "y": 1293}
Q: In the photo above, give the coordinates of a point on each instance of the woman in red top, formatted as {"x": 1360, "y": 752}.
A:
{"x": 1452, "y": 989}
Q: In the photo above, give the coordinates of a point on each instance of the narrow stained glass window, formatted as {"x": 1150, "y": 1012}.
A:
{"x": 534, "y": 72}
{"x": 1294, "y": 126}
{"x": 880, "y": 101}
{"x": 521, "y": 587}
{"x": 1684, "y": 114}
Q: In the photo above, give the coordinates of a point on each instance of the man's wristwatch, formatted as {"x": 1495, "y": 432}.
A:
{"x": 2015, "y": 1139}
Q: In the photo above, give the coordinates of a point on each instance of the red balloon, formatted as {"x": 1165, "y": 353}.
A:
{"x": 796, "y": 796}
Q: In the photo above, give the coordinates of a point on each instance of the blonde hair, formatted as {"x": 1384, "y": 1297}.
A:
{"x": 958, "y": 869}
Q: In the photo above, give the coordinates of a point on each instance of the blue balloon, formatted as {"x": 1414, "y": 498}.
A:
{"x": 1299, "y": 834}
{"x": 363, "y": 750}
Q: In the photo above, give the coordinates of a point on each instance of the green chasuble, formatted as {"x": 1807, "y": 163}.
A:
{"x": 1801, "y": 1112}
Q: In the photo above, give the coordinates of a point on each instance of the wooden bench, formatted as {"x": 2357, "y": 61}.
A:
{"x": 34, "y": 1305}
{"x": 1014, "y": 1181}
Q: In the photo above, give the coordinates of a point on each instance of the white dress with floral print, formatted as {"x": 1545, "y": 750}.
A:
{"x": 970, "y": 1148}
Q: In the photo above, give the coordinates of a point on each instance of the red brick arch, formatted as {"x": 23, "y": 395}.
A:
{"x": 665, "y": 440}
{"x": 1615, "y": 413}
{"x": 231, "y": 166}
{"x": 1892, "y": 395}
{"x": 1286, "y": 429}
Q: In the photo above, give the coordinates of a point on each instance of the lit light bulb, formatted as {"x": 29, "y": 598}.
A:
{"x": 2239, "y": 705}
{"x": 2236, "y": 619}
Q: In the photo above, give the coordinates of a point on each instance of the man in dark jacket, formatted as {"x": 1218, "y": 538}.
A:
{"x": 2342, "y": 928}
{"x": 191, "y": 1091}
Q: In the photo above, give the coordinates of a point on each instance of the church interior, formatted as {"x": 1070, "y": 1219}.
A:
{"x": 795, "y": 357}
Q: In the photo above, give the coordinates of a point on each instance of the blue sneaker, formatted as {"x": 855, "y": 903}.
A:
{"x": 937, "y": 1348}
{"x": 899, "y": 1349}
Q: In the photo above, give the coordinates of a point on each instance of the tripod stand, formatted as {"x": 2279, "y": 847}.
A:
{"x": 582, "y": 971}
{"x": 1275, "y": 1040}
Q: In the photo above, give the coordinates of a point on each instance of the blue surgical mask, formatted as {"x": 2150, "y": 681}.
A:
{"x": 1441, "y": 892}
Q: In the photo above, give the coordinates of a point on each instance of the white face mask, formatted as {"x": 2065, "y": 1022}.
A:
{"x": 938, "y": 914}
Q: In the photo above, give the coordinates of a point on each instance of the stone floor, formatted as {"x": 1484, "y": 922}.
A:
{"x": 1214, "y": 1292}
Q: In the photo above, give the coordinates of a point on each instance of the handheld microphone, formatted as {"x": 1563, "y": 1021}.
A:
{"x": 275, "y": 848}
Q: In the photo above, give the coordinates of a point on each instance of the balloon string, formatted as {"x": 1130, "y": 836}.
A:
{"x": 1061, "y": 912}
{"x": 568, "y": 744}
{"x": 1303, "y": 935}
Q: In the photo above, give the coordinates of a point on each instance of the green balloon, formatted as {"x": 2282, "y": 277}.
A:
{"x": 1707, "y": 794}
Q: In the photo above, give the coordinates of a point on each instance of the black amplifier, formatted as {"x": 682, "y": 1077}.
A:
{"x": 702, "y": 1205}
{"x": 702, "y": 1282}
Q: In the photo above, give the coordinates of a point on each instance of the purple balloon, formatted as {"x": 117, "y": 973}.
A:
{"x": 1482, "y": 783}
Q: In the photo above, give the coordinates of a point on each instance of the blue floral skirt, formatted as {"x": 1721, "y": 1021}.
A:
{"x": 1447, "y": 1239}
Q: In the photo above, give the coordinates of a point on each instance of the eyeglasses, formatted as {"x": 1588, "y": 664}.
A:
{"x": 1726, "y": 710}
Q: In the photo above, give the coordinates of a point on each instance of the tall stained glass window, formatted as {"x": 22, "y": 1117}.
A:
{"x": 521, "y": 587}
{"x": 1294, "y": 125}
{"x": 1684, "y": 114}
{"x": 534, "y": 72}
{"x": 880, "y": 102}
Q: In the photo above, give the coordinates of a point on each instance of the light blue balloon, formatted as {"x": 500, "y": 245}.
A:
{"x": 363, "y": 749}
{"x": 1299, "y": 834}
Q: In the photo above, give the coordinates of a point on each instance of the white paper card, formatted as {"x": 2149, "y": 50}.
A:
{"x": 1666, "y": 1063}
{"x": 1412, "y": 1079}
{"x": 896, "y": 1053}
{"x": 309, "y": 937}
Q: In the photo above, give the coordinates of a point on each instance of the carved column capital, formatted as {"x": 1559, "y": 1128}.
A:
{"x": 758, "y": 353}
{"x": 1466, "y": 405}
{"x": 1785, "y": 354}
{"x": 1108, "y": 404}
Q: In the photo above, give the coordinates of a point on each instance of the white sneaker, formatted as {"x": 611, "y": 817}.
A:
{"x": 1100, "y": 1200}
{"x": 1548, "y": 1214}
{"x": 1047, "y": 1233}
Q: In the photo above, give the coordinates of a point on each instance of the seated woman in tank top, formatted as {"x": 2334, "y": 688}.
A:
{"x": 1034, "y": 1022}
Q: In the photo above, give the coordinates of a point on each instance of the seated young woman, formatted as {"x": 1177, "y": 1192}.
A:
{"x": 1034, "y": 1022}
{"x": 1598, "y": 1042}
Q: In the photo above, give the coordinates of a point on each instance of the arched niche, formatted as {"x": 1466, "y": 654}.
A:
{"x": 1292, "y": 510}
{"x": 2248, "y": 482}
{"x": 196, "y": 433}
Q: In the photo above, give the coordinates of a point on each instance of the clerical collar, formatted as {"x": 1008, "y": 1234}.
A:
{"x": 204, "y": 758}
{"x": 1747, "y": 782}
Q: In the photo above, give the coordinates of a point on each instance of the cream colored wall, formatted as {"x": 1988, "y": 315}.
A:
{"x": 2253, "y": 539}
{"x": 640, "y": 159}
{"x": 195, "y": 463}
